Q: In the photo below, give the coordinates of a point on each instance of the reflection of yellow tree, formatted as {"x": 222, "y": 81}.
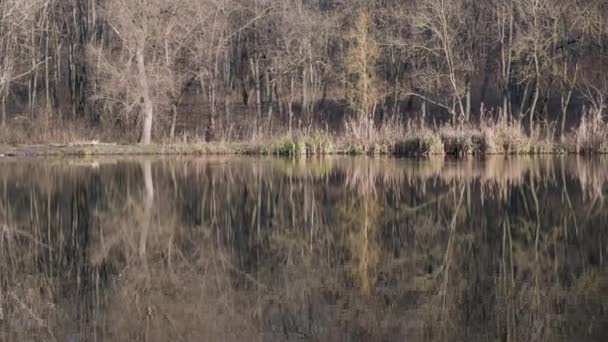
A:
{"x": 361, "y": 216}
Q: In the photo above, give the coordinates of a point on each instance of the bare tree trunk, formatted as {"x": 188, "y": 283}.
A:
{"x": 3, "y": 95}
{"x": 34, "y": 79}
{"x": 304, "y": 92}
{"x": 269, "y": 99}
{"x": 34, "y": 91}
{"x": 534, "y": 102}
{"x": 173, "y": 123}
{"x": 255, "y": 71}
{"x": 29, "y": 97}
{"x": 148, "y": 110}
{"x": 565, "y": 100}
{"x": 506, "y": 18}
{"x": 278, "y": 96}
{"x": 569, "y": 85}
{"x": 47, "y": 78}
{"x": 467, "y": 101}
{"x": 536, "y": 69}
{"x": 524, "y": 101}
{"x": 227, "y": 90}
{"x": 57, "y": 82}
{"x": 454, "y": 119}
{"x": 290, "y": 104}
{"x": 210, "y": 132}
{"x": 396, "y": 97}
{"x": 423, "y": 111}
{"x": 72, "y": 70}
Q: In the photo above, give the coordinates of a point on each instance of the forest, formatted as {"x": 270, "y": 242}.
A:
{"x": 442, "y": 75}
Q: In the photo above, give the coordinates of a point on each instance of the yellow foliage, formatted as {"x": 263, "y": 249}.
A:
{"x": 361, "y": 68}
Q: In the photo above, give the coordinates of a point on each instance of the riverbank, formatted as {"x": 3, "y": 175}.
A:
{"x": 500, "y": 137}
{"x": 420, "y": 146}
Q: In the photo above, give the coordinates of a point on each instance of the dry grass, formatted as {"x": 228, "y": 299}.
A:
{"x": 591, "y": 136}
{"x": 499, "y": 136}
{"x": 392, "y": 137}
{"x": 419, "y": 141}
{"x": 460, "y": 141}
{"x": 301, "y": 143}
{"x": 22, "y": 130}
{"x": 504, "y": 136}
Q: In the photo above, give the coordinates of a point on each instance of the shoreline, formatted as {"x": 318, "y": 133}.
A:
{"x": 286, "y": 149}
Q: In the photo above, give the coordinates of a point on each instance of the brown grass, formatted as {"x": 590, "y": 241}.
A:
{"x": 591, "y": 136}
{"x": 392, "y": 137}
{"x": 23, "y": 130}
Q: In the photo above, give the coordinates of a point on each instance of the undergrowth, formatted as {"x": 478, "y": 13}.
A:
{"x": 392, "y": 137}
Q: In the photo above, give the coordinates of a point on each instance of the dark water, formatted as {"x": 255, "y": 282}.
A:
{"x": 340, "y": 249}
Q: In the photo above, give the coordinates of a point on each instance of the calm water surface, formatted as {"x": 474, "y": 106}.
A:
{"x": 337, "y": 249}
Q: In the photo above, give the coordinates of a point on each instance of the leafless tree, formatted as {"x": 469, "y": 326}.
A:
{"x": 125, "y": 64}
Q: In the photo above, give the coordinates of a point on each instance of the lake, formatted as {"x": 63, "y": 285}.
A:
{"x": 317, "y": 249}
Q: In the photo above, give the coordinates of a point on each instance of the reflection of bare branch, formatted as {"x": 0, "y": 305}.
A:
{"x": 448, "y": 253}
{"x": 42, "y": 323}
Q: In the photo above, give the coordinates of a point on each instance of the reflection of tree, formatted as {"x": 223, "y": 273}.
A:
{"x": 222, "y": 249}
{"x": 147, "y": 203}
{"x": 360, "y": 216}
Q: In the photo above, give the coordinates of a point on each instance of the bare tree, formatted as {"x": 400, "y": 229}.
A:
{"x": 439, "y": 25}
{"x": 122, "y": 64}
{"x": 151, "y": 35}
{"x": 18, "y": 27}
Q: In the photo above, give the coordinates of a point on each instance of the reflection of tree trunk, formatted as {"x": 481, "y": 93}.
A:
{"x": 448, "y": 254}
{"x": 508, "y": 281}
{"x": 566, "y": 197}
{"x": 537, "y": 210}
{"x": 147, "y": 201}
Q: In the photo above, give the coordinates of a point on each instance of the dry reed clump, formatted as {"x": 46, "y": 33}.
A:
{"x": 419, "y": 140}
{"x": 543, "y": 141}
{"x": 391, "y": 137}
{"x": 461, "y": 141}
{"x": 362, "y": 136}
{"x": 301, "y": 143}
{"x": 505, "y": 136}
{"x": 591, "y": 136}
{"x": 22, "y": 130}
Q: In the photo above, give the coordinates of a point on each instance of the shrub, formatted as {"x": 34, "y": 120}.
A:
{"x": 317, "y": 142}
{"x": 505, "y": 136}
{"x": 419, "y": 141}
{"x": 461, "y": 141}
{"x": 591, "y": 136}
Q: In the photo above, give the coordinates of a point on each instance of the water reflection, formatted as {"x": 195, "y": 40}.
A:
{"x": 227, "y": 249}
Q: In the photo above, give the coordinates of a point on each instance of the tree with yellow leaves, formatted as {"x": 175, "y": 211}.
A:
{"x": 361, "y": 71}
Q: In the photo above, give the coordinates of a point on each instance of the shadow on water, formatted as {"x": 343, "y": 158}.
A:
{"x": 358, "y": 249}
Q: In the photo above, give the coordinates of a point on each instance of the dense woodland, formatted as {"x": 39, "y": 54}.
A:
{"x": 150, "y": 70}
